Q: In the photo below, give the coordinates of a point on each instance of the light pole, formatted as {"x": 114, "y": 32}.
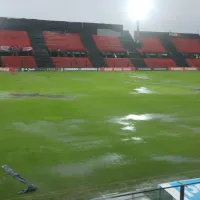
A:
{"x": 138, "y": 10}
{"x": 137, "y": 35}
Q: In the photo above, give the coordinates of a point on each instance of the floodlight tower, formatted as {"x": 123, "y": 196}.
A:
{"x": 138, "y": 10}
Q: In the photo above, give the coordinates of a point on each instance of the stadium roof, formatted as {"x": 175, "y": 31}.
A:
{"x": 170, "y": 15}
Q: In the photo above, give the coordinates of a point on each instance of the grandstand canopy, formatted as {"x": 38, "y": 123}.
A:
{"x": 183, "y": 16}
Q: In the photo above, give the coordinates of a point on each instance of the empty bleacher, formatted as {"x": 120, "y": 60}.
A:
{"x": 118, "y": 62}
{"x": 186, "y": 45}
{"x": 12, "y": 41}
{"x": 52, "y": 47}
{"x": 193, "y": 62}
{"x": 63, "y": 41}
{"x": 14, "y": 38}
{"x": 71, "y": 62}
{"x": 108, "y": 43}
{"x": 18, "y": 61}
{"x": 159, "y": 63}
{"x": 151, "y": 45}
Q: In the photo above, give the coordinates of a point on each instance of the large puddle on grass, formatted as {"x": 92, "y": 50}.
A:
{"x": 92, "y": 144}
{"x": 192, "y": 129}
{"x": 128, "y": 124}
{"x": 49, "y": 128}
{"x": 134, "y": 139}
{"x": 140, "y": 76}
{"x": 9, "y": 95}
{"x": 60, "y": 131}
{"x": 169, "y": 134}
{"x": 142, "y": 90}
{"x": 175, "y": 159}
{"x": 63, "y": 131}
{"x": 88, "y": 166}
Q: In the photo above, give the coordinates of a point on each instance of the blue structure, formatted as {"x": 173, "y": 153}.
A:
{"x": 191, "y": 189}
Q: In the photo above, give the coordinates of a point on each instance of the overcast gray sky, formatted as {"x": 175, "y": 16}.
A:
{"x": 174, "y": 15}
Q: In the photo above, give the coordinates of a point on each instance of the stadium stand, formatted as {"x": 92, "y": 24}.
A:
{"x": 12, "y": 41}
{"x": 186, "y": 45}
{"x": 118, "y": 62}
{"x": 63, "y": 41}
{"x": 159, "y": 63}
{"x": 71, "y": 62}
{"x": 18, "y": 61}
{"x": 193, "y": 62}
{"x": 14, "y": 38}
{"x": 43, "y": 41}
{"x": 108, "y": 43}
{"x": 151, "y": 45}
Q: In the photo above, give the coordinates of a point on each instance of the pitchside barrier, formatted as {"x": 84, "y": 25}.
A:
{"x": 101, "y": 69}
{"x": 178, "y": 190}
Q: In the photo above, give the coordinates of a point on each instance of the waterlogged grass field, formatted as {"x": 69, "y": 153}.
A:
{"x": 72, "y": 132}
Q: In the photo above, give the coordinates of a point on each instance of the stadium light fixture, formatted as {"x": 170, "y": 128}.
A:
{"x": 139, "y": 9}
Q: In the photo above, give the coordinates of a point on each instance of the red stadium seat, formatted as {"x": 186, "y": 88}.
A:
{"x": 186, "y": 45}
{"x": 118, "y": 62}
{"x": 193, "y": 62}
{"x": 14, "y": 38}
{"x": 108, "y": 43}
{"x": 18, "y": 61}
{"x": 159, "y": 63}
{"x": 71, "y": 62}
{"x": 151, "y": 45}
{"x": 65, "y": 41}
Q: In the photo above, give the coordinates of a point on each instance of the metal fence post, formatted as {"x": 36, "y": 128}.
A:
{"x": 182, "y": 192}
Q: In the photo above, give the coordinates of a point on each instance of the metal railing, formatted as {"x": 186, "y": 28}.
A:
{"x": 122, "y": 190}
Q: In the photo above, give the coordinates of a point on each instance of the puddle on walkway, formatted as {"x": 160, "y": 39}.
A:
{"x": 9, "y": 95}
{"x": 147, "y": 184}
{"x": 175, "y": 159}
{"x": 122, "y": 196}
{"x": 128, "y": 120}
{"x": 142, "y": 90}
{"x": 88, "y": 166}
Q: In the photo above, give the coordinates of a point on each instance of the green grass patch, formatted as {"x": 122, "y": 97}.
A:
{"x": 71, "y": 143}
